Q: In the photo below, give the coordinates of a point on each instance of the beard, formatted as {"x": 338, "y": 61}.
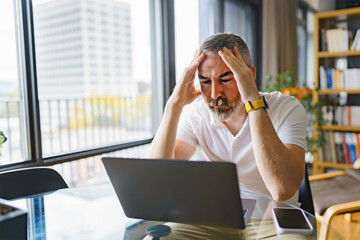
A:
{"x": 224, "y": 113}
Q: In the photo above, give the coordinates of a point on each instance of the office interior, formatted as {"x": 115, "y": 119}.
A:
{"x": 84, "y": 79}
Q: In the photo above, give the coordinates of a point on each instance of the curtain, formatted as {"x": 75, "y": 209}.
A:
{"x": 280, "y": 36}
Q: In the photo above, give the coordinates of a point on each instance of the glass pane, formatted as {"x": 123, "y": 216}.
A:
{"x": 301, "y": 36}
{"x": 310, "y": 49}
{"x": 94, "y": 72}
{"x": 194, "y": 21}
{"x": 186, "y": 33}
{"x": 206, "y": 18}
{"x": 240, "y": 19}
{"x": 91, "y": 170}
{"x": 12, "y": 114}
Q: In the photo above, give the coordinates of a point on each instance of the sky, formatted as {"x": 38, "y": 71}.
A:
{"x": 8, "y": 59}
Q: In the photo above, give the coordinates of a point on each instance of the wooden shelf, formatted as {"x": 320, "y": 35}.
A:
{"x": 340, "y": 128}
{"x": 336, "y": 91}
{"x": 334, "y": 165}
{"x": 338, "y": 54}
{"x": 350, "y": 12}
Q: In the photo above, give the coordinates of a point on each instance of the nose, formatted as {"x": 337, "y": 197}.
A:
{"x": 216, "y": 90}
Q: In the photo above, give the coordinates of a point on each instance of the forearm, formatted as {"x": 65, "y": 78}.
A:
{"x": 163, "y": 144}
{"x": 281, "y": 170}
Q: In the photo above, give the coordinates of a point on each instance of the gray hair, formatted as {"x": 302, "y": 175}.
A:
{"x": 218, "y": 41}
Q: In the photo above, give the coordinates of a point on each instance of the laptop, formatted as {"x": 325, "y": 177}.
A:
{"x": 191, "y": 192}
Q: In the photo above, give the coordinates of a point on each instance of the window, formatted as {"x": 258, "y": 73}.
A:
{"x": 196, "y": 20}
{"x": 186, "y": 33}
{"x": 305, "y": 23}
{"x": 240, "y": 19}
{"x": 301, "y": 35}
{"x": 72, "y": 87}
{"x": 78, "y": 112}
{"x": 13, "y": 121}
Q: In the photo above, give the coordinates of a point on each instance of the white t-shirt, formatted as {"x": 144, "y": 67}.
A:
{"x": 199, "y": 128}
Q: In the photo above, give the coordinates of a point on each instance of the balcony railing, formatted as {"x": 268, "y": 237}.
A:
{"x": 72, "y": 124}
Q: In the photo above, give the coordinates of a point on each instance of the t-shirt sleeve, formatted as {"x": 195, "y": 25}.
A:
{"x": 292, "y": 123}
{"x": 185, "y": 130}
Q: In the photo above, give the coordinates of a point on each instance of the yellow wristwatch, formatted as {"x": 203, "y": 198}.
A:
{"x": 251, "y": 106}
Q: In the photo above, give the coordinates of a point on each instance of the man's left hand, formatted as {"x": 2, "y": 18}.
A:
{"x": 244, "y": 75}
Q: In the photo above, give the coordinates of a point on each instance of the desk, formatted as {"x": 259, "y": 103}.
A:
{"x": 93, "y": 212}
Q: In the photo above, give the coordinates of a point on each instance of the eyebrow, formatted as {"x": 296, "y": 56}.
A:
{"x": 222, "y": 75}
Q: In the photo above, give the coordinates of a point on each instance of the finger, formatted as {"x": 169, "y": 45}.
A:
{"x": 237, "y": 54}
{"x": 229, "y": 59}
{"x": 189, "y": 73}
{"x": 196, "y": 52}
{"x": 196, "y": 55}
{"x": 199, "y": 58}
{"x": 227, "y": 53}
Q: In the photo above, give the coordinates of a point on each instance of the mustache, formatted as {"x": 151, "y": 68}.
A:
{"x": 219, "y": 102}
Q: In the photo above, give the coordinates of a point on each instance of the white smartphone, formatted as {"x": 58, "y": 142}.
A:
{"x": 291, "y": 220}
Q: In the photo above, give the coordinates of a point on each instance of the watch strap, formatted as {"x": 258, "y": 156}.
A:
{"x": 251, "y": 106}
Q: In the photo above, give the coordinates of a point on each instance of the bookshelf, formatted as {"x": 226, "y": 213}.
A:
{"x": 323, "y": 22}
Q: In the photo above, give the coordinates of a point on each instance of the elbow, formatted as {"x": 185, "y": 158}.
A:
{"x": 284, "y": 194}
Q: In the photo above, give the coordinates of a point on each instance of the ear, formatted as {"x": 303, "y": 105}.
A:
{"x": 253, "y": 70}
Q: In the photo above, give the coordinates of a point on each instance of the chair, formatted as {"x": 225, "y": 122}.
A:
{"x": 29, "y": 181}
{"x": 336, "y": 193}
{"x": 305, "y": 196}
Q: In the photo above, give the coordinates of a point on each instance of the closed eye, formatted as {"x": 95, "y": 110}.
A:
{"x": 225, "y": 80}
{"x": 205, "y": 82}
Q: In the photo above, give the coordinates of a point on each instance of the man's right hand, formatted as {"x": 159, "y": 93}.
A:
{"x": 185, "y": 91}
{"x": 163, "y": 144}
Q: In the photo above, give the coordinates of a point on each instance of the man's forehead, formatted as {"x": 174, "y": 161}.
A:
{"x": 212, "y": 65}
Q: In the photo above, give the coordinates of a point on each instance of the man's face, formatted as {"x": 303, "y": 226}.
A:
{"x": 218, "y": 87}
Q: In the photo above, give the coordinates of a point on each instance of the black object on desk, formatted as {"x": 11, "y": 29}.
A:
{"x": 13, "y": 222}
{"x": 158, "y": 231}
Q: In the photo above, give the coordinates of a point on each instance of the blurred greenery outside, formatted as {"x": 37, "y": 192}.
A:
{"x": 2, "y": 139}
{"x": 107, "y": 110}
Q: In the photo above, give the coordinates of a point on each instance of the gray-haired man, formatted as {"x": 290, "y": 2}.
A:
{"x": 263, "y": 133}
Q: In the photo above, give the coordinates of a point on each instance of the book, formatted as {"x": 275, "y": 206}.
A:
{"x": 329, "y": 79}
{"x": 351, "y": 143}
{"x": 323, "y": 78}
{"x": 339, "y": 148}
{"x": 323, "y": 40}
{"x": 346, "y": 149}
{"x": 337, "y": 79}
{"x": 357, "y": 145}
{"x": 333, "y": 156}
{"x": 356, "y": 43}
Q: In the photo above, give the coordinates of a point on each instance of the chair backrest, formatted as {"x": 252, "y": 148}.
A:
{"x": 305, "y": 196}
{"x": 29, "y": 181}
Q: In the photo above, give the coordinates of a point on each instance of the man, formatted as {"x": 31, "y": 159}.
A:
{"x": 232, "y": 123}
